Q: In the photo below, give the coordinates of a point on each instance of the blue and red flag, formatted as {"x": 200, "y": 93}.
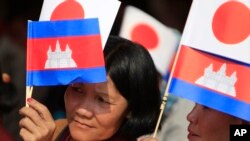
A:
{"x": 212, "y": 81}
{"x": 213, "y": 64}
{"x": 64, "y": 52}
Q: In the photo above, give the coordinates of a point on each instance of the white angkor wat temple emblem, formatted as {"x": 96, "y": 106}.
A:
{"x": 218, "y": 81}
{"x": 59, "y": 58}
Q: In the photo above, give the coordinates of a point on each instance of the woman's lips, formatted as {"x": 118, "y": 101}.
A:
{"x": 83, "y": 124}
{"x": 192, "y": 134}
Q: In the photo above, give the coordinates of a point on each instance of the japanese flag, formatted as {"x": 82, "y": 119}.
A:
{"x": 220, "y": 27}
{"x": 160, "y": 40}
{"x": 105, "y": 11}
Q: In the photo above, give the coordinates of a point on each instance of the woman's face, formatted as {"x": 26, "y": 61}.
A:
{"x": 94, "y": 111}
{"x": 209, "y": 125}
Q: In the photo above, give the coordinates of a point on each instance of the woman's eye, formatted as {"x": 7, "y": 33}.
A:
{"x": 77, "y": 89}
{"x": 103, "y": 100}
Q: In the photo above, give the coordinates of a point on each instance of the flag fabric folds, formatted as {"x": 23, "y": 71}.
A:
{"x": 161, "y": 41}
{"x": 64, "y": 52}
{"x": 213, "y": 64}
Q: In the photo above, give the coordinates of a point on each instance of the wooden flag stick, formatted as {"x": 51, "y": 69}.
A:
{"x": 29, "y": 90}
{"x": 164, "y": 100}
{"x": 165, "y": 97}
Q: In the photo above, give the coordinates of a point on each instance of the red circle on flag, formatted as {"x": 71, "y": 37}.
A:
{"x": 231, "y": 22}
{"x": 145, "y": 35}
{"x": 69, "y": 9}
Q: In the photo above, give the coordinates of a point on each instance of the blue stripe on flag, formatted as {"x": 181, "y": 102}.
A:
{"x": 48, "y": 29}
{"x": 210, "y": 98}
{"x": 65, "y": 77}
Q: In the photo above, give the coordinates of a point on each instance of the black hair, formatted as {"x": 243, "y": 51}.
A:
{"x": 133, "y": 72}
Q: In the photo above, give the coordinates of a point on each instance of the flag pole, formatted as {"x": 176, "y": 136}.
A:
{"x": 29, "y": 90}
{"x": 165, "y": 97}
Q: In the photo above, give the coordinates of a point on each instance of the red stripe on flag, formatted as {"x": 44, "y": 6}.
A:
{"x": 192, "y": 63}
{"x": 83, "y": 48}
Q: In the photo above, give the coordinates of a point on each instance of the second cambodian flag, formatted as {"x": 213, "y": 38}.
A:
{"x": 212, "y": 81}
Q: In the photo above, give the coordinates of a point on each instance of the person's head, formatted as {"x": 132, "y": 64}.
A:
{"x": 125, "y": 106}
{"x": 207, "y": 124}
{"x": 7, "y": 92}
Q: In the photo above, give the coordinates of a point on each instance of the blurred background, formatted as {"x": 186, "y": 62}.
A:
{"x": 14, "y": 15}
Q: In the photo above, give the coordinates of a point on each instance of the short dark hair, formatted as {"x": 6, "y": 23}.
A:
{"x": 133, "y": 72}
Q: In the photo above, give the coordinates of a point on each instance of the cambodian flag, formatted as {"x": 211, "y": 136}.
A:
{"x": 64, "y": 52}
{"x": 213, "y": 81}
{"x": 213, "y": 64}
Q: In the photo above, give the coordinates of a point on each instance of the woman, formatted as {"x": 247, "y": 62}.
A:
{"x": 121, "y": 109}
{"x": 207, "y": 124}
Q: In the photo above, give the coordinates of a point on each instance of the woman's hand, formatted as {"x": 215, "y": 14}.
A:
{"x": 37, "y": 123}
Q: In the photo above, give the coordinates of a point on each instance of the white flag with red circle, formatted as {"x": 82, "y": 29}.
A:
{"x": 220, "y": 27}
{"x": 160, "y": 40}
{"x": 104, "y": 10}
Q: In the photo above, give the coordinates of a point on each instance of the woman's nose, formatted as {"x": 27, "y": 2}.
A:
{"x": 86, "y": 108}
{"x": 85, "y": 112}
{"x": 192, "y": 115}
